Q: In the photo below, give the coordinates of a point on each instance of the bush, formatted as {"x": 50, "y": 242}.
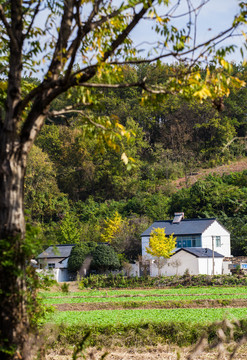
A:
{"x": 104, "y": 258}
{"x": 78, "y": 255}
{"x": 120, "y": 281}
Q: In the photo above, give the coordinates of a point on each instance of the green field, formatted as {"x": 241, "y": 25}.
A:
{"x": 173, "y": 291}
{"x": 81, "y": 300}
{"x": 135, "y": 317}
{"x": 130, "y": 325}
{"x": 106, "y": 317}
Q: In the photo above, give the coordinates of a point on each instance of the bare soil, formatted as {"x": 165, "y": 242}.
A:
{"x": 153, "y": 305}
{"x": 235, "y": 166}
{"x": 164, "y": 352}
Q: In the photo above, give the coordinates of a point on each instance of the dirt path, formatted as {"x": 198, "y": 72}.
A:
{"x": 223, "y": 169}
{"x": 160, "y": 352}
{"x": 207, "y": 303}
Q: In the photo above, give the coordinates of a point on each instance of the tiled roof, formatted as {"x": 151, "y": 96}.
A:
{"x": 185, "y": 227}
{"x": 200, "y": 252}
{"x": 56, "y": 251}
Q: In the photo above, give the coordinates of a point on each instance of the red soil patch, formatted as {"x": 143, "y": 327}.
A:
{"x": 236, "y": 166}
{"x": 153, "y": 305}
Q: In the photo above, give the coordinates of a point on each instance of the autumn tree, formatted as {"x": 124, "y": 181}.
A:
{"x": 80, "y": 45}
{"x": 161, "y": 246}
{"x": 112, "y": 227}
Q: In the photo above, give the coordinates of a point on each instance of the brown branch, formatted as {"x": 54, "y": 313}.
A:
{"x": 7, "y": 26}
{"x": 82, "y": 32}
{"x": 32, "y": 21}
{"x": 62, "y": 42}
{"x": 232, "y": 140}
{"x": 120, "y": 39}
{"x": 81, "y": 112}
{"x": 110, "y": 86}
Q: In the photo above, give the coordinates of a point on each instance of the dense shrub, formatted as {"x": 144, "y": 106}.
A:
{"x": 104, "y": 258}
{"x": 78, "y": 255}
{"x": 121, "y": 281}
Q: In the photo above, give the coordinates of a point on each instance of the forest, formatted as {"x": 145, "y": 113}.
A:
{"x": 87, "y": 183}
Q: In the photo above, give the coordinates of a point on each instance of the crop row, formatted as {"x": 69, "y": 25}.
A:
{"x": 139, "y": 317}
{"x": 173, "y": 291}
{"x": 80, "y": 300}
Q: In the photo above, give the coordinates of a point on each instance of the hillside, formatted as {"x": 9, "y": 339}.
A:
{"x": 234, "y": 166}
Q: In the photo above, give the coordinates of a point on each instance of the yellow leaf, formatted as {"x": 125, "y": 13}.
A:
{"x": 124, "y": 158}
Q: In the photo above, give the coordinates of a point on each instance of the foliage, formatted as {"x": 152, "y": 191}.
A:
{"x": 104, "y": 258}
{"x": 161, "y": 245}
{"x": 112, "y": 227}
{"x": 69, "y": 229}
{"x": 65, "y": 288}
{"x": 120, "y": 281}
{"x": 79, "y": 254}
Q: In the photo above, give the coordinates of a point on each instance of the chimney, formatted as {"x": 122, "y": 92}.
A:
{"x": 178, "y": 217}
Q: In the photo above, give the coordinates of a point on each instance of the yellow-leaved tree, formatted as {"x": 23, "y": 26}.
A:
{"x": 161, "y": 246}
{"x": 112, "y": 227}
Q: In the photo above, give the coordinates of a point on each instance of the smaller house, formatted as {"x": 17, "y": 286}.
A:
{"x": 55, "y": 258}
{"x": 195, "y": 260}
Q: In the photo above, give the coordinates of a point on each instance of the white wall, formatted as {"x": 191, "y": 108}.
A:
{"x": 55, "y": 261}
{"x": 135, "y": 269}
{"x": 145, "y": 243}
{"x": 216, "y": 229}
{"x": 206, "y": 266}
{"x": 225, "y": 267}
{"x": 60, "y": 275}
{"x": 181, "y": 261}
{"x": 177, "y": 265}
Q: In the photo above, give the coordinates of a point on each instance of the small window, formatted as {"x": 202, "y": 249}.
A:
{"x": 51, "y": 266}
{"x": 218, "y": 241}
{"x": 188, "y": 243}
{"x": 179, "y": 244}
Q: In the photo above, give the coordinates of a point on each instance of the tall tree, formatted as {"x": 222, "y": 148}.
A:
{"x": 81, "y": 44}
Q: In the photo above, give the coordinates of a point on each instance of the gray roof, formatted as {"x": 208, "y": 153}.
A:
{"x": 185, "y": 227}
{"x": 56, "y": 251}
{"x": 200, "y": 252}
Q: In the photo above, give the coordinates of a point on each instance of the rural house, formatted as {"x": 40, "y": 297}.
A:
{"x": 55, "y": 258}
{"x": 202, "y": 244}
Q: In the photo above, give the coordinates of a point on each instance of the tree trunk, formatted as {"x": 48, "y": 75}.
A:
{"x": 14, "y": 320}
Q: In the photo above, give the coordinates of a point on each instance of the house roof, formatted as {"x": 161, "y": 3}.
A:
{"x": 56, "y": 251}
{"x": 184, "y": 227}
{"x": 200, "y": 252}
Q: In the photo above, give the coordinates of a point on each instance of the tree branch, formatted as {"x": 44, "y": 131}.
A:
{"x": 120, "y": 39}
{"x": 232, "y": 140}
{"x": 81, "y": 112}
{"x": 7, "y": 26}
{"x": 32, "y": 21}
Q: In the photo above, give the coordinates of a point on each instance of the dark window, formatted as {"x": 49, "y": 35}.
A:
{"x": 218, "y": 241}
{"x": 189, "y": 241}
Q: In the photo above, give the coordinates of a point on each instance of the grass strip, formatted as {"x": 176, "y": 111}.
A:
{"x": 81, "y": 300}
{"x": 141, "y": 316}
{"x": 130, "y": 292}
{"x": 145, "y": 334}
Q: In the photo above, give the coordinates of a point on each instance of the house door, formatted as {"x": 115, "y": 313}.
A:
{"x": 144, "y": 268}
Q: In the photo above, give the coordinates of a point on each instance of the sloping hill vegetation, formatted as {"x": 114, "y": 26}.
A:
{"x": 77, "y": 185}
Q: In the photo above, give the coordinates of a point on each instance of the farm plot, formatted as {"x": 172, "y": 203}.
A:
{"x": 231, "y": 297}
{"x": 153, "y": 298}
{"x": 141, "y": 317}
